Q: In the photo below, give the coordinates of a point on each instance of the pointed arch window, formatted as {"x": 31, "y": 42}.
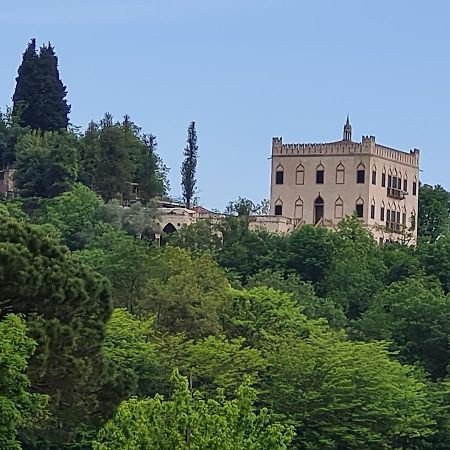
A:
{"x": 383, "y": 177}
{"x": 279, "y": 207}
{"x": 339, "y": 208}
{"x": 390, "y": 179}
{"x": 382, "y": 212}
{"x": 374, "y": 174}
{"x": 372, "y": 209}
{"x": 320, "y": 174}
{"x": 340, "y": 174}
{"x": 414, "y": 186}
{"x": 360, "y": 173}
{"x": 405, "y": 183}
{"x": 319, "y": 208}
{"x": 413, "y": 220}
{"x": 298, "y": 212}
{"x": 279, "y": 175}
{"x": 404, "y": 216}
{"x": 300, "y": 174}
{"x": 359, "y": 207}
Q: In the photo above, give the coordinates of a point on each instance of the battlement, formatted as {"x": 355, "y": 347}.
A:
{"x": 368, "y": 146}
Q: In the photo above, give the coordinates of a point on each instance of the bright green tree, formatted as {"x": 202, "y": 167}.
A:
{"x": 189, "y": 166}
{"x": 18, "y": 406}
{"x": 188, "y": 421}
{"x": 434, "y": 212}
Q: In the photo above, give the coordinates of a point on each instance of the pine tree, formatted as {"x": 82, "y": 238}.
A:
{"x": 39, "y": 99}
{"x": 189, "y": 166}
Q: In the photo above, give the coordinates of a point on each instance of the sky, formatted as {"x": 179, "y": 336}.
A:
{"x": 247, "y": 70}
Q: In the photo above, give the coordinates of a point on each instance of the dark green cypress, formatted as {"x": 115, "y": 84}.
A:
{"x": 40, "y": 96}
{"x": 189, "y": 166}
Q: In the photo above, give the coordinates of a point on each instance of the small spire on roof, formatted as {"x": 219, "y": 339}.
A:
{"x": 347, "y": 130}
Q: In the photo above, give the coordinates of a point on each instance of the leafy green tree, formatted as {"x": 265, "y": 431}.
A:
{"x": 188, "y": 421}
{"x": 47, "y": 164}
{"x": 18, "y": 406}
{"x": 89, "y": 155}
{"x": 241, "y": 207}
{"x": 346, "y": 395}
{"x": 113, "y": 174}
{"x": 66, "y": 307}
{"x": 10, "y": 134}
{"x": 189, "y": 166}
{"x": 302, "y": 294}
{"x": 416, "y": 319}
{"x": 401, "y": 262}
{"x": 434, "y": 212}
{"x": 40, "y": 96}
{"x": 73, "y": 214}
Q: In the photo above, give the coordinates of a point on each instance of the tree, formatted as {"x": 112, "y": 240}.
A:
{"x": 39, "y": 97}
{"x": 189, "y": 166}
{"x": 66, "y": 306}
{"x": 89, "y": 155}
{"x": 434, "y": 212}
{"x": 188, "y": 421}
{"x": 47, "y": 164}
{"x": 18, "y": 406}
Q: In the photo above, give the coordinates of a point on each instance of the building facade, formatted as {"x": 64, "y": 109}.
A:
{"x": 319, "y": 184}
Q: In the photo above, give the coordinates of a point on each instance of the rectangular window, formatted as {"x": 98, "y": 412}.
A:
{"x": 360, "y": 175}
{"x": 278, "y": 210}
{"x": 414, "y": 188}
{"x": 394, "y": 182}
{"x": 398, "y": 216}
{"x": 279, "y": 177}
{"x": 383, "y": 180}
{"x": 374, "y": 177}
{"x": 382, "y": 214}
{"x": 320, "y": 176}
{"x": 372, "y": 211}
{"x": 300, "y": 177}
{"x": 389, "y": 181}
{"x": 405, "y": 185}
{"x": 360, "y": 210}
{"x": 388, "y": 215}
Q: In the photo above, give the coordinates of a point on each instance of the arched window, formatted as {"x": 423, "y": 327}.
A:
{"x": 320, "y": 174}
{"x": 405, "y": 182}
{"x": 390, "y": 178}
{"x": 359, "y": 207}
{"x": 340, "y": 174}
{"x": 361, "y": 173}
{"x": 414, "y": 187}
{"x": 382, "y": 212}
{"x": 279, "y": 207}
{"x": 404, "y": 216}
{"x": 279, "y": 175}
{"x": 383, "y": 177}
{"x": 388, "y": 213}
{"x": 339, "y": 208}
{"x": 300, "y": 174}
{"x": 372, "y": 209}
{"x": 374, "y": 174}
{"x": 318, "y": 209}
{"x": 298, "y": 212}
{"x": 413, "y": 220}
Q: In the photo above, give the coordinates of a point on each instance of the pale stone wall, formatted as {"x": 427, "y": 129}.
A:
{"x": 340, "y": 161}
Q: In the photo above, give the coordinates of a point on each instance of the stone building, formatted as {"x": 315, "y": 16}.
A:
{"x": 320, "y": 184}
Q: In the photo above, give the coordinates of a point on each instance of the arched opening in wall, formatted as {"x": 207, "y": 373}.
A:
{"x": 382, "y": 212}
{"x": 279, "y": 207}
{"x": 339, "y": 208}
{"x": 320, "y": 174}
{"x": 300, "y": 174}
{"x": 414, "y": 186}
{"x": 372, "y": 209}
{"x": 318, "y": 209}
{"x": 404, "y": 216}
{"x": 374, "y": 174}
{"x": 389, "y": 179}
{"x": 298, "y": 212}
{"x": 340, "y": 174}
{"x": 412, "y": 220}
{"x": 361, "y": 174}
{"x": 279, "y": 174}
{"x": 405, "y": 183}
{"x": 169, "y": 228}
{"x": 383, "y": 177}
{"x": 359, "y": 207}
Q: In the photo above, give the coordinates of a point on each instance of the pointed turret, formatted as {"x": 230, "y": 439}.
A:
{"x": 347, "y": 130}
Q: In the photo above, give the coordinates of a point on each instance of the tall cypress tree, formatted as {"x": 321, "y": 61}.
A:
{"x": 189, "y": 166}
{"x": 40, "y": 96}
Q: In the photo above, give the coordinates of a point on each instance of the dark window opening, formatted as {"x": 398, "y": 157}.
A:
{"x": 374, "y": 177}
{"x": 320, "y": 176}
{"x": 398, "y": 216}
{"x": 318, "y": 209}
{"x": 404, "y": 219}
{"x": 383, "y": 180}
{"x": 360, "y": 210}
{"x": 360, "y": 175}
{"x": 380, "y": 240}
{"x": 413, "y": 222}
{"x": 405, "y": 185}
{"x": 389, "y": 180}
{"x": 382, "y": 214}
{"x": 279, "y": 177}
{"x": 372, "y": 211}
{"x": 278, "y": 210}
{"x": 414, "y": 188}
{"x": 388, "y": 215}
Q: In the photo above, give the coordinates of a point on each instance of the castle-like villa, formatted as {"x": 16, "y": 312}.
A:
{"x": 319, "y": 184}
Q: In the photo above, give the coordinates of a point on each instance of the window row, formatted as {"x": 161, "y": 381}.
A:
{"x": 390, "y": 215}
{"x": 394, "y": 180}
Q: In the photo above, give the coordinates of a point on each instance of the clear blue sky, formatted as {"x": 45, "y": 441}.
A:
{"x": 247, "y": 70}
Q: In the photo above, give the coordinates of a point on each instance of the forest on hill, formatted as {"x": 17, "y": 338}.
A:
{"x": 225, "y": 337}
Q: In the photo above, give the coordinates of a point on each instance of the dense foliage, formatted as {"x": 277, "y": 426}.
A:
{"x": 223, "y": 338}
